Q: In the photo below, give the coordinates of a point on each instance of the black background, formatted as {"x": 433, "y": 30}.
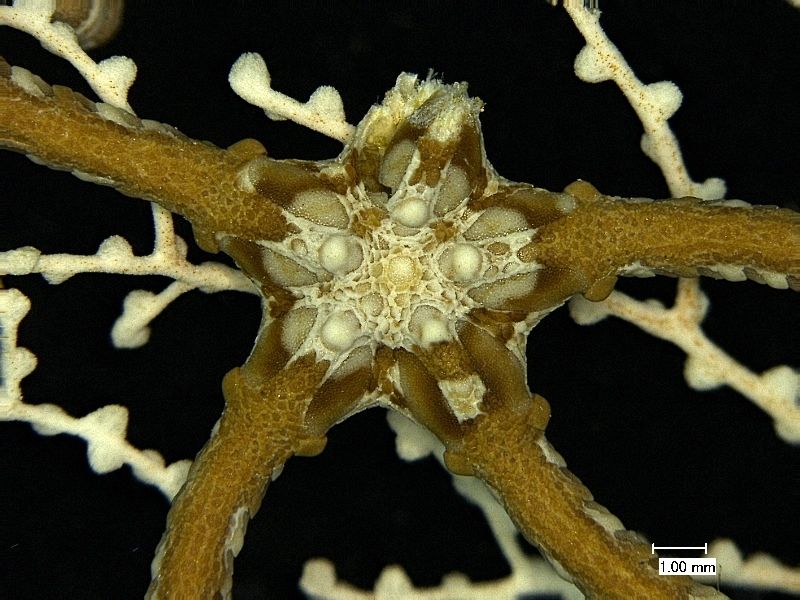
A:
{"x": 680, "y": 466}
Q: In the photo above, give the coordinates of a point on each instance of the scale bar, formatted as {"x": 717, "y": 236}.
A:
{"x": 704, "y": 548}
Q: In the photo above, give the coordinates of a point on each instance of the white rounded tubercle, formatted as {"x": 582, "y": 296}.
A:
{"x": 412, "y": 211}
{"x": 467, "y": 261}
{"x": 429, "y": 326}
{"x": 461, "y": 262}
{"x": 340, "y": 254}
{"x": 340, "y": 331}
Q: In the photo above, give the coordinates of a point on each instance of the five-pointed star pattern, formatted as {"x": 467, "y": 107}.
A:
{"x": 404, "y": 272}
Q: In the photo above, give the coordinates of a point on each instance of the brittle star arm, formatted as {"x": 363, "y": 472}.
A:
{"x": 577, "y": 246}
{"x": 263, "y": 422}
{"x": 261, "y": 427}
{"x": 505, "y": 446}
{"x": 604, "y": 237}
{"x": 143, "y": 159}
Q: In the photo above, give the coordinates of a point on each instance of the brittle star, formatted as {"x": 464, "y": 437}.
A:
{"x": 404, "y": 273}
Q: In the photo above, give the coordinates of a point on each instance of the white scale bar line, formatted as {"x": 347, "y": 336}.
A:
{"x": 704, "y": 548}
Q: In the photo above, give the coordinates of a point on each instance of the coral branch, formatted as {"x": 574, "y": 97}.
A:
{"x": 110, "y": 79}
{"x": 323, "y": 112}
{"x": 107, "y": 449}
{"x": 654, "y": 104}
{"x": 15, "y": 363}
{"x": 103, "y": 430}
{"x": 776, "y": 391}
{"x": 194, "y": 179}
{"x": 115, "y": 255}
{"x": 759, "y": 571}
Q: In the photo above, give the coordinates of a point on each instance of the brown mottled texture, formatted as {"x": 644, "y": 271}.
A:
{"x": 282, "y": 401}
{"x": 260, "y": 429}
{"x": 680, "y": 237}
{"x": 547, "y": 503}
{"x": 194, "y": 179}
{"x": 446, "y": 360}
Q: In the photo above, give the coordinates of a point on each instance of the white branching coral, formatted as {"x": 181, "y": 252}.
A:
{"x": 776, "y": 391}
{"x": 322, "y": 112}
{"x": 529, "y": 575}
{"x": 114, "y": 255}
{"x": 757, "y": 571}
{"x": 104, "y": 429}
{"x": 110, "y": 79}
{"x": 654, "y": 103}
{"x": 15, "y": 363}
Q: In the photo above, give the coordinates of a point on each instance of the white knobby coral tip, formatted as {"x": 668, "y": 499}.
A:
{"x": 107, "y": 421}
{"x": 115, "y": 255}
{"x": 120, "y": 72}
{"x": 326, "y": 101}
{"x": 323, "y": 112}
{"x": 707, "y": 366}
{"x": 15, "y": 363}
{"x": 783, "y": 384}
{"x": 412, "y": 441}
{"x": 584, "y": 312}
{"x": 140, "y": 307}
{"x": 664, "y": 97}
{"x": 104, "y": 432}
{"x": 758, "y": 570}
{"x": 249, "y": 77}
{"x": 111, "y": 79}
{"x": 600, "y": 60}
{"x": 590, "y": 67}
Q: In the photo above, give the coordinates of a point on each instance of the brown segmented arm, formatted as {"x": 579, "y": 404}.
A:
{"x": 447, "y": 265}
